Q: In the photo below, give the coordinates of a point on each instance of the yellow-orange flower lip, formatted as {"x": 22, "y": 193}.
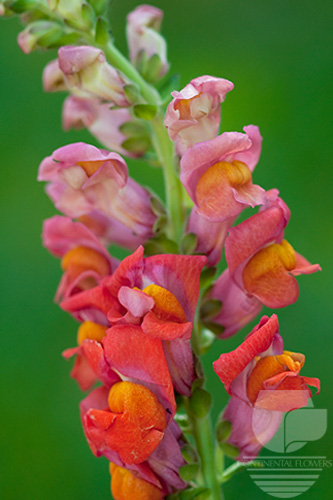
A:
{"x": 270, "y": 366}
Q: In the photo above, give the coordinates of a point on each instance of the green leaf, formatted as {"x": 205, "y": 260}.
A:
{"x": 102, "y": 31}
{"x": 189, "y": 454}
{"x": 157, "y": 206}
{"x": 200, "y": 493}
{"x": 200, "y": 402}
{"x": 160, "y": 224}
{"x": 153, "y": 68}
{"x": 189, "y": 471}
{"x": 230, "y": 450}
{"x": 141, "y": 61}
{"x": 214, "y": 327}
{"x": 132, "y": 129}
{"x": 145, "y": 111}
{"x": 207, "y": 340}
{"x": 21, "y": 6}
{"x": 188, "y": 243}
{"x": 210, "y": 308}
{"x": 88, "y": 16}
{"x": 160, "y": 244}
{"x": 98, "y": 6}
{"x": 136, "y": 145}
{"x": 183, "y": 422}
{"x": 207, "y": 276}
{"x": 223, "y": 431}
{"x": 132, "y": 92}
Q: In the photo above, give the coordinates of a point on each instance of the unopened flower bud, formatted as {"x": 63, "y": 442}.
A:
{"x": 39, "y": 34}
{"x": 147, "y": 47}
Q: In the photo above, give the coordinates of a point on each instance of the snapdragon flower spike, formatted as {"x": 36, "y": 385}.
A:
{"x": 263, "y": 381}
{"x": 104, "y": 123}
{"x": 194, "y": 113}
{"x": 88, "y": 75}
{"x": 160, "y": 294}
{"x": 217, "y": 174}
{"x": 145, "y": 41}
{"x": 130, "y": 427}
{"x": 84, "y": 180}
{"x": 238, "y": 308}
{"x": 84, "y": 259}
{"x": 260, "y": 261}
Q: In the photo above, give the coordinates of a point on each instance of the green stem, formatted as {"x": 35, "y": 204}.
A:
{"x": 203, "y": 435}
{"x": 173, "y": 191}
{"x": 161, "y": 141}
{"x": 116, "y": 58}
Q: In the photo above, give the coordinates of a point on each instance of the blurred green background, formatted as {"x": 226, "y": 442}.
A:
{"x": 279, "y": 55}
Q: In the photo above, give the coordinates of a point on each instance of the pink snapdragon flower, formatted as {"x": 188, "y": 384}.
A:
{"x": 158, "y": 293}
{"x": 84, "y": 259}
{"x": 88, "y": 75}
{"x": 263, "y": 381}
{"x": 194, "y": 113}
{"x": 217, "y": 174}
{"x": 104, "y": 123}
{"x": 144, "y": 39}
{"x": 260, "y": 261}
{"x": 84, "y": 180}
{"x": 237, "y": 307}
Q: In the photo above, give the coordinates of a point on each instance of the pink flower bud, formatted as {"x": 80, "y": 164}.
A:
{"x": 144, "y": 40}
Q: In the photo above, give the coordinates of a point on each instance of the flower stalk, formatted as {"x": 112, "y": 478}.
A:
{"x": 147, "y": 320}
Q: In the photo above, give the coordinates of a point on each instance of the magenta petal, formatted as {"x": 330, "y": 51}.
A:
{"x": 251, "y": 195}
{"x": 251, "y": 156}
{"x": 179, "y": 357}
{"x": 61, "y": 234}
{"x": 251, "y": 428}
{"x": 136, "y": 302}
{"x": 210, "y": 236}
{"x": 238, "y": 308}
{"x": 166, "y": 460}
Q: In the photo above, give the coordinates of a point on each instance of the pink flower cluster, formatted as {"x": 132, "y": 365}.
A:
{"x": 136, "y": 316}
